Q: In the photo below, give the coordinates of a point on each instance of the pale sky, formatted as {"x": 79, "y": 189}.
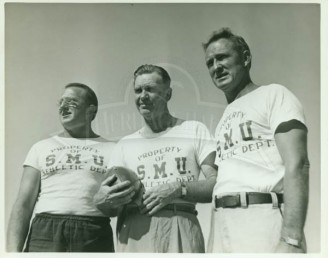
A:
{"x": 51, "y": 45}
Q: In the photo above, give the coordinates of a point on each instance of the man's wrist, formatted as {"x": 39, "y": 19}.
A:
{"x": 183, "y": 189}
{"x": 292, "y": 236}
{"x": 292, "y": 241}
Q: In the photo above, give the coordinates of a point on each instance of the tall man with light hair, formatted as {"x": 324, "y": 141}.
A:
{"x": 261, "y": 194}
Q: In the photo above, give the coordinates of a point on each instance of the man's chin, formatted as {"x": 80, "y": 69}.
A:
{"x": 144, "y": 112}
{"x": 222, "y": 85}
{"x": 70, "y": 124}
{"x": 65, "y": 120}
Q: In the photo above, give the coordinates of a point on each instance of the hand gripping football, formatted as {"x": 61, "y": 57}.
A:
{"x": 125, "y": 174}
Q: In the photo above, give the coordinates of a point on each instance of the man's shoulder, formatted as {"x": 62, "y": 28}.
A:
{"x": 43, "y": 143}
{"x": 276, "y": 90}
{"x": 189, "y": 124}
{"x": 45, "y": 140}
{"x": 57, "y": 139}
{"x": 273, "y": 87}
{"x": 192, "y": 129}
{"x": 133, "y": 135}
{"x": 101, "y": 139}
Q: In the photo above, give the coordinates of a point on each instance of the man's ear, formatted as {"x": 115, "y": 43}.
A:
{"x": 92, "y": 110}
{"x": 247, "y": 57}
{"x": 168, "y": 94}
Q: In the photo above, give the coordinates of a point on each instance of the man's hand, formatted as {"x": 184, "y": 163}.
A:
{"x": 111, "y": 195}
{"x": 158, "y": 197}
{"x": 283, "y": 247}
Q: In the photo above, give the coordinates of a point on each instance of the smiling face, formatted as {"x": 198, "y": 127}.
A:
{"x": 151, "y": 95}
{"x": 226, "y": 66}
{"x": 73, "y": 108}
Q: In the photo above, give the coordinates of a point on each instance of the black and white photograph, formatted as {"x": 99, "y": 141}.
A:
{"x": 154, "y": 127}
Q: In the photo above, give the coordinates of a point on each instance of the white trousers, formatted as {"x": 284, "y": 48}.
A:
{"x": 255, "y": 229}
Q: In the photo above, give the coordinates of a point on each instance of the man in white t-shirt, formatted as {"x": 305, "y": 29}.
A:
{"x": 167, "y": 154}
{"x": 61, "y": 175}
{"x": 261, "y": 195}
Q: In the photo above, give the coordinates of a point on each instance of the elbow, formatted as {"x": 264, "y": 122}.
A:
{"x": 212, "y": 182}
{"x": 299, "y": 167}
{"x": 23, "y": 206}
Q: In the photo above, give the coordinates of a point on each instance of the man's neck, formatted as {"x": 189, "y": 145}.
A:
{"x": 244, "y": 88}
{"x": 79, "y": 133}
{"x": 247, "y": 89}
{"x": 160, "y": 123}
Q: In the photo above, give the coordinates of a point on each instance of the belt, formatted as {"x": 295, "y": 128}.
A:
{"x": 179, "y": 207}
{"x": 172, "y": 207}
{"x": 45, "y": 215}
{"x": 234, "y": 201}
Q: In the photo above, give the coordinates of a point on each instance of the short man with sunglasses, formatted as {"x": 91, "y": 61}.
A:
{"x": 61, "y": 175}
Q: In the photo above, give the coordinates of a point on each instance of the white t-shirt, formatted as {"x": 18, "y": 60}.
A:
{"x": 247, "y": 157}
{"x": 175, "y": 154}
{"x": 71, "y": 173}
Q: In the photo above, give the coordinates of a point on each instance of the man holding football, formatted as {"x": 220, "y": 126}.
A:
{"x": 167, "y": 154}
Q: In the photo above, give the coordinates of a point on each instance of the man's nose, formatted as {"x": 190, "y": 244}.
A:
{"x": 217, "y": 65}
{"x": 63, "y": 105}
{"x": 144, "y": 94}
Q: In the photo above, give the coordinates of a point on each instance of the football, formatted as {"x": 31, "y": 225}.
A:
{"x": 125, "y": 174}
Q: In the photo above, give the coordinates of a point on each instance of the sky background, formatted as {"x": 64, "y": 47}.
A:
{"x": 50, "y": 45}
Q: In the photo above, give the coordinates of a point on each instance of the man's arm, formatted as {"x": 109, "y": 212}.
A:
{"x": 201, "y": 191}
{"x": 291, "y": 140}
{"x": 197, "y": 191}
{"x": 111, "y": 197}
{"x": 22, "y": 210}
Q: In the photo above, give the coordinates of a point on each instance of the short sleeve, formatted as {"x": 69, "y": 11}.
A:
{"x": 117, "y": 158}
{"x": 204, "y": 142}
{"x": 32, "y": 158}
{"x": 283, "y": 106}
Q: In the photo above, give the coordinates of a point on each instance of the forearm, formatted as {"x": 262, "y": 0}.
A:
{"x": 18, "y": 228}
{"x": 196, "y": 191}
{"x": 200, "y": 191}
{"x": 296, "y": 191}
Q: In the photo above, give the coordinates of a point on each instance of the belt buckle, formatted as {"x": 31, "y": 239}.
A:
{"x": 231, "y": 201}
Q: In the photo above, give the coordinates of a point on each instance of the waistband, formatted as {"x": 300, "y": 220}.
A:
{"x": 97, "y": 219}
{"x": 181, "y": 207}
{"x": 171, "y": 207}
{"x": 243, "y": 199}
